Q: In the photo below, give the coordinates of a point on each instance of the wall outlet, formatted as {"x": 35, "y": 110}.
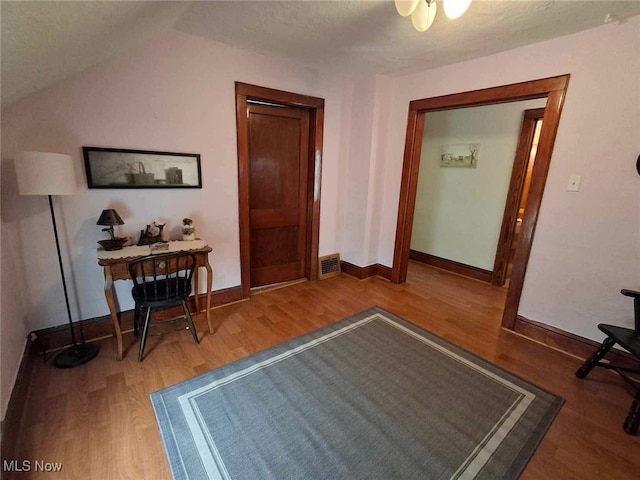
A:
{"x": 573, "y": 185}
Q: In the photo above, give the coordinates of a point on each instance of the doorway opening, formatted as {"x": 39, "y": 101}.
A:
{"x": 554, "y": 90}
{"x": 279, "y": 137}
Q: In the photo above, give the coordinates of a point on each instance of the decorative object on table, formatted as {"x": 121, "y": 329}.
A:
{"x": 159, "y": 246}
{"x": 120, "y": 168}
{"x": 188, "y": 230}
{"x": 460, "y": 156}
{"x": 110, "y": 218}
{"x": 152, "y": 234}
{"x": 419, "y": 406}
{"x": 40, "y": 173}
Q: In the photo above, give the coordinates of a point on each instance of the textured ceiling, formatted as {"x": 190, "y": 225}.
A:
{"x": 45, "y": 42}
{"x": 367, "y": 37}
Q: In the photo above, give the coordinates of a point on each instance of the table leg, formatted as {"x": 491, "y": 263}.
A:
{"x": 209, "y": 287}
{"x": 108, "y": 293}
{"x": 196, "y": 286}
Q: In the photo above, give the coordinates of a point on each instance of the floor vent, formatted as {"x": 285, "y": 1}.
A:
{"x": 329, "y": 266}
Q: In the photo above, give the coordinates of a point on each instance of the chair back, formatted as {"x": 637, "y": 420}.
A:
{"x": 636, "y": 306}
{"x": 164, "y": 279}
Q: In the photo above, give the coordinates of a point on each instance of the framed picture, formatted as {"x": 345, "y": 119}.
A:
{"x": 119, "y": 168}
{"x": 464, "y": 155}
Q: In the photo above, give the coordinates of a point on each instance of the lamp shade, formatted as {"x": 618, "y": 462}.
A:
{"x": 406, "y": 7}
{"x": 109, "y": 217}
{"x": 41, "y": 173}
{"x": 423, "y": 16}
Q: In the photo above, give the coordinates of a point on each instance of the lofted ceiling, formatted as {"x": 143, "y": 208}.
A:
{"x": 45, "y": 42}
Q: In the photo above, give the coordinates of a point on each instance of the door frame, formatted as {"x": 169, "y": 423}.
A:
{"x": 315, "y": 106}
{"x": 514, "y": 195}
{"x": 554, "y": 89}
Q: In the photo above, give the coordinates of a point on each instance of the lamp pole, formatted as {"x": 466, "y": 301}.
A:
{"x": 43, "y": 173}
{"x": 77, "y": 354}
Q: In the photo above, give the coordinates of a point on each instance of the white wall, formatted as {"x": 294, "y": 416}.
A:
{"x": 587, "y": 244}
{"x": 174, "y": 94}
{"x": 459, "y": 211}
{"x": 365, "y": 168}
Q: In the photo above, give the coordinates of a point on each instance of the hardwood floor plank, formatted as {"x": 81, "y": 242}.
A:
{"x": 98, "y": 421}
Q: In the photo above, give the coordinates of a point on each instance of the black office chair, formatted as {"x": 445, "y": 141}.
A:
{"x": 629, "y": 339}
{"x": 160, "y": 282}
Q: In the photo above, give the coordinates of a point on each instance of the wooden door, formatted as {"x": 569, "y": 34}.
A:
{"x": 278, "y": 145}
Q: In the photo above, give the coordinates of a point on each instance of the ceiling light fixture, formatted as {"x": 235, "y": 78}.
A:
{"x": 423, "y": 12}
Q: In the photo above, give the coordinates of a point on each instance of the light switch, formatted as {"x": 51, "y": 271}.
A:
{"x": 573, "y": 185}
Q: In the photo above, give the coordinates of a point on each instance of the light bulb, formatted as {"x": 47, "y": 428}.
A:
{"x": 455, "y": 8}
{"x": 406, "y": 7}
{"x": 423, "y": 16}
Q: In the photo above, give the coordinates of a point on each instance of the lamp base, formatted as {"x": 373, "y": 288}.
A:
{"x": 76, "y": 355}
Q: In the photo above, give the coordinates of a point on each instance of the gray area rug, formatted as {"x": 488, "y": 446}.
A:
{"x": 369, "y": 397}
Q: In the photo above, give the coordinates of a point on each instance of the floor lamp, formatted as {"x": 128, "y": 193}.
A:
{"x": 40, "y": 173}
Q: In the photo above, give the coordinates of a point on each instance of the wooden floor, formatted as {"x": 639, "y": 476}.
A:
{"x": 98, "y": 421}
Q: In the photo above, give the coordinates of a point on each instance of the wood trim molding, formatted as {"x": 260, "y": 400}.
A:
{"x": 14, "y": 416}
{"x": 547, "y": 139}
{"x": 314, "y": 186}
{"x": 365, "y": 272}
{"x": 487, "y": 96}
{"x": 514, "y": 195}
{"x": 408, "y": 192}
{"x": 569, "y": 342}
{"x": 452, "y": 266}
{"x": 246, "y": 92}
{"x": 554, "y": 89}
{"x": 53, "y": 338}
{"x": 265, "y": 94}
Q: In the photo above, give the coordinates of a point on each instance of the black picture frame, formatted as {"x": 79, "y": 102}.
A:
{"x": 122, "y": 168}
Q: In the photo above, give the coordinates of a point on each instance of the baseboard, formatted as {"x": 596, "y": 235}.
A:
{"x": 365, "y": 272}
{"x": 450, "y": 265}
{"x": 12, "y": 423}
{"x": 54, "y": 338}
{"x": 223, "y": 296}
{"x": 569, "y": 342}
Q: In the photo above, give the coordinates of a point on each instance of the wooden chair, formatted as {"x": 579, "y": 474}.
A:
{"x": 160, "y": 282}
{"x": 629, "y": 339}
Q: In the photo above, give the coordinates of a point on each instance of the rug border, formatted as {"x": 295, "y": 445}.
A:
{"x": 520, "y": 461}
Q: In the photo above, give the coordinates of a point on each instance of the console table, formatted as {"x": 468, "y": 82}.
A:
{"x": 115, "y": 264}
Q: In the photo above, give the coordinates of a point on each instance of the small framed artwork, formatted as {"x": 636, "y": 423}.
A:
{"x": 119, "y": 168}
{"x": 462, "y": 155}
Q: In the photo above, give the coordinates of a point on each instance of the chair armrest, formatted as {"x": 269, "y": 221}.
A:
{"x": 630, "y": 293}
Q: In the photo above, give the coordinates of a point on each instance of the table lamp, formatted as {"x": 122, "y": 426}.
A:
{"x": 40, "y": 173}
{"x": 109, "y": 218}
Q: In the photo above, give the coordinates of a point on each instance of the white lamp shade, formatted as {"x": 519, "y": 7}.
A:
{"x": 455, "y": 8}
{"x": 406, "y": 7}
{"x": 423, "y": 16}
{"x": 41, "y": 173}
